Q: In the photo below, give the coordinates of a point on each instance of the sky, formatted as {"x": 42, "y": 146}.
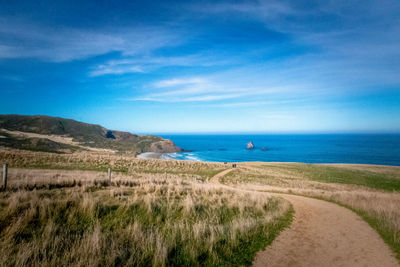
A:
{"x": 323, "y": 66}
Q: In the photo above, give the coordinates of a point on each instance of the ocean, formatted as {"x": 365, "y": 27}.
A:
{"x": 308, "y": 148}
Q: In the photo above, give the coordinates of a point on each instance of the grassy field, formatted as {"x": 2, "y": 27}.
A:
{"x": 383, "y": 178}
{"x": 370, "y": 191}
{"x": 144, "y": 216}
{"x": 101, "y": 162}
{"x": 168, "y": 194}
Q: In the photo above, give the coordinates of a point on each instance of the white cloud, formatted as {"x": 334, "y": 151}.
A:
{"x": 247, "y": 89}
{"x": 194, "y": 98}
{"x": 188, "y": 89}
{"x": 181, "y": 81}
{"x": 149, "y": 63}
{"x": 104, "y": 70}
{"x": 282, "y": 100}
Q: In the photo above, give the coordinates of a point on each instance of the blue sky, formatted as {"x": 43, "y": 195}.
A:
{"x": 205, "y": 66}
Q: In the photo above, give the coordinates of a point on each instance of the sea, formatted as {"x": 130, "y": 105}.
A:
{"x": 383, "y": 149}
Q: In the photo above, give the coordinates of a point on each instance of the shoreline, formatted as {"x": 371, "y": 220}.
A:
{"x": 150, "y": 155}
{"x": 157, "y": 155}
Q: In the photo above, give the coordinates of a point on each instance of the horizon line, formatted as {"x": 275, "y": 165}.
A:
{"x": 273, "y": 133}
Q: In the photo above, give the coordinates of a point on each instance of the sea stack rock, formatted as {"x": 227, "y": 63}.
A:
{"x": 250, "y": 145}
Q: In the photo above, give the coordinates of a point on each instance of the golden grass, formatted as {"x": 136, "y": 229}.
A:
{"x": 147, "y": 219}
{"x": 101, "y": 162}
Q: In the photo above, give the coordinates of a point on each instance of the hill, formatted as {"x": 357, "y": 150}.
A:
{"x": 54, "y": 134}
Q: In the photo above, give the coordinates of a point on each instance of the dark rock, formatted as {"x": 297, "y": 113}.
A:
{"x": 110, "y": 134}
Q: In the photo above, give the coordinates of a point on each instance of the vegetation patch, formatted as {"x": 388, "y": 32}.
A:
{"x": 158, "y": 222}
{"x": 328, "y": 174}
{"x": 101, "y": 162}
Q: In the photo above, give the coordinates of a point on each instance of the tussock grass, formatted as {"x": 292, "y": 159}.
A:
{"x": 138, "y": 221}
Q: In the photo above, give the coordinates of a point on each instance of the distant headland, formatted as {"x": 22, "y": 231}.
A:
{"x": 60, "y": 135}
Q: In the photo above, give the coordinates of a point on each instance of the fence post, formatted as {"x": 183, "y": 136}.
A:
{"x": 109, "y": 174}
{"x": 5, "y": 169}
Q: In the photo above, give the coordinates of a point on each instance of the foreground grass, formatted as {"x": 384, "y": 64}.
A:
{"x": 365, "y": 190}
{"x": 146, "y": 221}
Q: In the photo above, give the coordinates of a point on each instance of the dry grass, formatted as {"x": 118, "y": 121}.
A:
{"x": 142, "y": 220}
{"x": 26, "y": 179}
{"x": 101, "y": 162}
{"x": 379, "y": 208}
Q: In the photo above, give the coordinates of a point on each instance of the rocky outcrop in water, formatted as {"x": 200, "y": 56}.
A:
{"x": 250, "y": 145}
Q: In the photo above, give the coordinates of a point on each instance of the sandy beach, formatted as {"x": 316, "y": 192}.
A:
{"x": 149, "y": 155}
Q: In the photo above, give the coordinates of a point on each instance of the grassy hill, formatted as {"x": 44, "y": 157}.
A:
{"x": 54, "y": 134}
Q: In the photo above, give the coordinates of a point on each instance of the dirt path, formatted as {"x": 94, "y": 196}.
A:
{"x": 215, "y": 178}
{"x": 323, "y": 234}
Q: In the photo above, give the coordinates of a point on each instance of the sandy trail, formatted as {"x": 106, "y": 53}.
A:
{"x": 323, "y": 234}
{"x": 215, "y": 178}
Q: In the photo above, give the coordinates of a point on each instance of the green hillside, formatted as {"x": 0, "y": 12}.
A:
{"x": 54, "y": 134}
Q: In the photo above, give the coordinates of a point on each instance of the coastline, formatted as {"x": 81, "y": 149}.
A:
{"x": 157, "y": 155}
{"x": 307, "y": 148}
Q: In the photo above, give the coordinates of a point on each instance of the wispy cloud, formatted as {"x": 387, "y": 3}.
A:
{"x": 282, "y": 101}
{"x": 188, "y": 89}
{"x": 150, "y": 63}
{"x": 104, "y": 70}
{"x": 181, "y": 81}
{"x": 197, "y": 98}
{"x": 224, "y": 86}
{"x": 29, "y": 40}
{"x": 259, "y": 9}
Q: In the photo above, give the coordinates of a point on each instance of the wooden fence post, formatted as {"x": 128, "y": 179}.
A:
{"x": 5, "y": 169}
{"x": 109, "y": 174}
